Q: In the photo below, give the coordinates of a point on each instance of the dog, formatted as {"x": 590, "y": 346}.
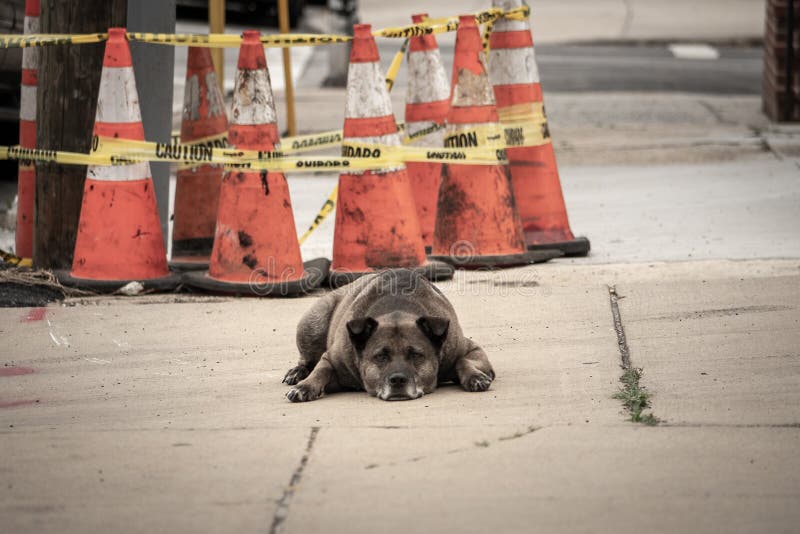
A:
{"x": 392, "y": 334}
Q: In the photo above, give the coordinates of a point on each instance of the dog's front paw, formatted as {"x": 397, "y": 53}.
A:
{"x": 303, "y": 393}
{"x": 478, "y": 382}
{"x": 295, "y": 375}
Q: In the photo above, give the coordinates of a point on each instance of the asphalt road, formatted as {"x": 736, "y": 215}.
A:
{"x": 572, "y": 68}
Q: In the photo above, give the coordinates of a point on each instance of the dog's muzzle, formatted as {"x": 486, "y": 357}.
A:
{"x": 399, "y": 386}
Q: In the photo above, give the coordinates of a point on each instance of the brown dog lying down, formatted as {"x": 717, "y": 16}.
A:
{"x": 393, "y": 334}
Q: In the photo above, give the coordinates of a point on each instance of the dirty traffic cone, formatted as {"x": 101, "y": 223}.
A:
{"x": 197, "y": 188}
{"x": 427, "y": 102}
{"x": 119, "y": 234}
{"x": 376, "y": 221}
{"x": 477, "y": 224}
{"x": 26, "y": 185}
{"x": 255, "y": 245}
{"x": 537, "y": 188}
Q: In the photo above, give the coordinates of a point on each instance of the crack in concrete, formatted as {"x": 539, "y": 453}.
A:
{"x": 633, "y": 395}
{"x": 622, "y": 342}
{"x": 628, "y": 21}
{"x": 717, "y": 115}
{"x": 282, "y": 511}
{"x": 731, "y": 425}
{"x": 719, "y": 312}
{"x": 478, "y": 444}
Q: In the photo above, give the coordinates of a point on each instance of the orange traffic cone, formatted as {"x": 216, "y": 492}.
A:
{"x": 26, "y": 185}
{"x": 255, "y": 244}
{"x": 119, "y": 234}
{"x": 376, "y": 221}
{"x": 197, "y": 188}
{"x": 427, "y": 102}
{"x": 537, "y": 188}
{"x": 477, "y": 224}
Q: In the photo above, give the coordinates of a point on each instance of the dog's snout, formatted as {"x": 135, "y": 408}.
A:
{"x": 398, "y": 379}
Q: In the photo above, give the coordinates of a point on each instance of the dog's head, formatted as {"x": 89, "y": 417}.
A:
{"x": 398, "y": 353}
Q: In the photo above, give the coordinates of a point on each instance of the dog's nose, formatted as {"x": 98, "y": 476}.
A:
{"x": 398, "y": 379}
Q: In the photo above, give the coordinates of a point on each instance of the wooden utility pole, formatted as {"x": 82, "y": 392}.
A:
{"x": 69, "y": 79}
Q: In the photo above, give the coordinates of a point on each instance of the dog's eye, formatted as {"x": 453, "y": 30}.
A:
{"x": 382, "y": 356}
{"x": 415, "y": 355}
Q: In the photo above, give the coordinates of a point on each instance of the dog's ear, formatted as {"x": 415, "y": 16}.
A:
{"x": 435, "y": 328}
{"x": 360, "y": 331}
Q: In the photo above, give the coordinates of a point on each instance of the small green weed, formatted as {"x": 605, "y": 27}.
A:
{"x": 635, "y": 397}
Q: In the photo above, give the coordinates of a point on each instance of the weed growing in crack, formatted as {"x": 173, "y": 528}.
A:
{"x": 635, "y": 397}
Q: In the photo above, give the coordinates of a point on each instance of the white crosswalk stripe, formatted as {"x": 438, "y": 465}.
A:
{"x": 693, "y": 51}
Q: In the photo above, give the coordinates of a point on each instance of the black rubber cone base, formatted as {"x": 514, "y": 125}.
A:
{"x": 165, "y": 283}
{"x": 579, "y": 246}
{"x": 433, "y": 270}
{"x": 499, "y": 262}
{"x": 189, "y": 263}
{"x": 315, "y": 273}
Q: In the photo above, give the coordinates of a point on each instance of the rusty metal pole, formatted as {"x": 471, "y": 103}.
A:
{"x": 216, "y": 24}
{"x": 283, "y": 23}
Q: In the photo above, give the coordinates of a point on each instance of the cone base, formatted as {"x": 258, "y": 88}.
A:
{"x": 500, "y": 261}
{"x": 578, "y": 246}
{"x": 164, "y": 283}
{"x": 314, "y": 274}
{"x": 190, "y": 263}
{"x": 432, "y": 270}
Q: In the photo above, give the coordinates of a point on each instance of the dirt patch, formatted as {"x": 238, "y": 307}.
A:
{"x": 23, "y": 296}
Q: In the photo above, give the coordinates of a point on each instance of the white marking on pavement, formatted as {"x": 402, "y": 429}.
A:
{"x": 693, "y": 51}
{"x": 98, "y": 361}
{"x": 58, "y": 340}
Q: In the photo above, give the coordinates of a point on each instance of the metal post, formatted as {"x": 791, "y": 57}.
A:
{"x": 343, "y": 14}
{"x": 216, "y": 24}
{"x": 153, "y": 66}
{"x": 283, "y": 23}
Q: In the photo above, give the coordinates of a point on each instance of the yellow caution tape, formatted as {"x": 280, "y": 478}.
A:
{"x": 418, "y": 30}
{"x": 394, "y": 68}
{"x": 480, "y": 145}
{"x": 355, "y": 156}
{"x": 487, "y": 32}
{"x": 529, "y": 115}
{"x": 39, "y": 39}
{"x": 13, "y": 259}
{"x": 213, "y": 141}
{"x": 307, "y": 143}
{"x": 322, "y": 214}
{"x": 388, "y": 155}
{"x": 410, "y": 138}
{"x": 28, "y": 155}
{"x": 527, "y": 112}
{"x": 223, "y": 40}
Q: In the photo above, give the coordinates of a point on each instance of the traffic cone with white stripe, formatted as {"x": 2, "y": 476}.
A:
{"x": 537, "y": 187}
{"x": 26, "y": 185}
{"x": 197, "y": 188}
{"x": 119, "y": 233}
{"x": 427, "y": 102}
{"x": 255, "y": 248}
{"x": 477, "y": 224}
{"x": 376, "y": 221}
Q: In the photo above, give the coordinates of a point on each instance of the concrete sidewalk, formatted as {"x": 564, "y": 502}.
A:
{"x": 166, "y": 413}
